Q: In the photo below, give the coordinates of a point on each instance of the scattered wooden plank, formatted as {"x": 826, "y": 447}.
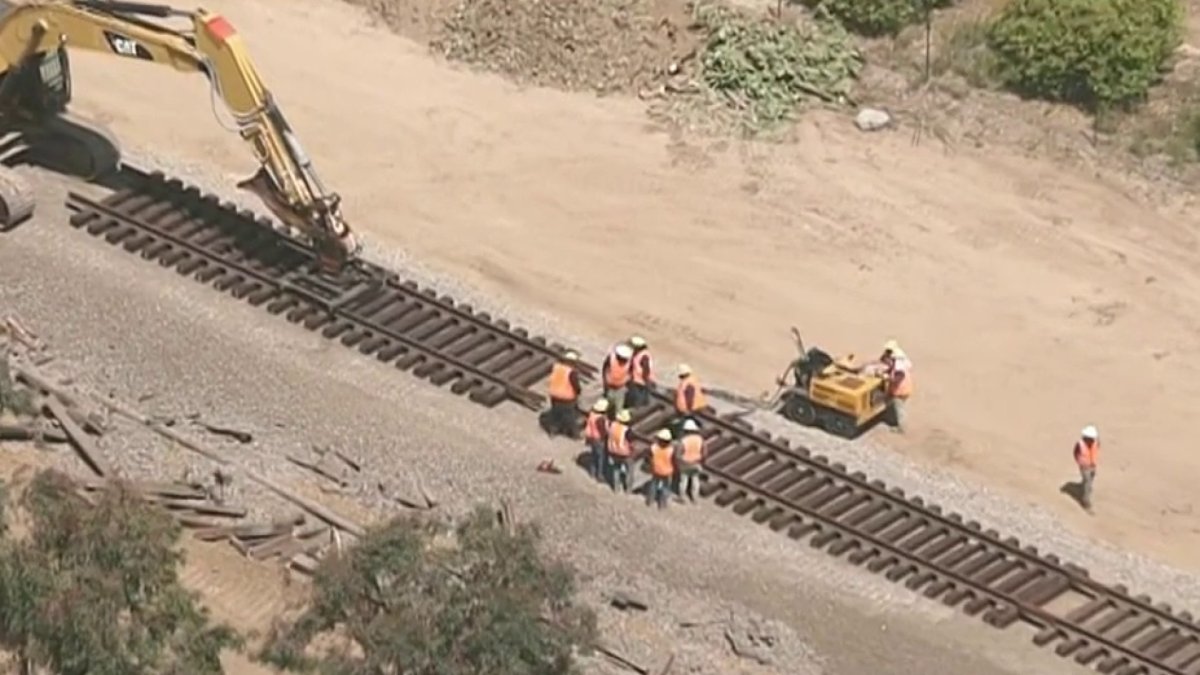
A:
{"x": 79, "y": 438}
{"x": 205, "y": 508}
{"x": 269, "y": 547}
{"x": 236, "y": 434}
{"x": 190, "y": 521}
{"x": 316, "y": 468}
{"x": 161, "y": 489}
{"x": 312, "y": 507}
{"x": 357, "y": 466}
{"x": 29, "y": 433}
{"x": 306, "y": 546}
{"x": 219, "y": 533}
{"x": 74, "y": 404}
{"x": 261, "y": 531}
{"x": 304, "y": 562}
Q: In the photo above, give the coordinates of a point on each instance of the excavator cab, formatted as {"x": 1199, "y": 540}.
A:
{"x": 834, "y": 394}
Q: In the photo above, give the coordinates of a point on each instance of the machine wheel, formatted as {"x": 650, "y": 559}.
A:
{"x": 70, "y": 145}
{"x": 800, "y": 410}
{"x": 839, "y": 425}
{"x": 16, "y": 199}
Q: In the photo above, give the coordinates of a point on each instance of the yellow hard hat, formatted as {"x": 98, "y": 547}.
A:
{"x": 637, "y": 342}
{"x": 663, "y": 434}
{"x": 601, "y": 405}
{"x": 624, "y": 416}
{"x": 684, "y": 370}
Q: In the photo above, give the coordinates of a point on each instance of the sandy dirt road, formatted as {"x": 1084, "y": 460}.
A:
{"x": 1033, "y": 300}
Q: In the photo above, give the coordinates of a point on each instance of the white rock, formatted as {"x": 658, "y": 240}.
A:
{"x": 872, "y": 119}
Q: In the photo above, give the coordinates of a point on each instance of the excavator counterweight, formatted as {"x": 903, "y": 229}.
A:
{"x": 35, "y": 90}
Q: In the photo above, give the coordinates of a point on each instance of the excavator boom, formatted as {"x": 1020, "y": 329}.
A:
{"x": 286, "y": 181}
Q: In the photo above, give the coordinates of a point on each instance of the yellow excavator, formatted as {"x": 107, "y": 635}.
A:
{"x": 35, "y": 88}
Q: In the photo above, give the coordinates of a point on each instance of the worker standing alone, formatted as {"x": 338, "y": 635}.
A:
{"x": 1087, "y": 454}
{"x": 564, "y": 396}
{"x": 692, "y": 453}
{"x": 615, "y": 374}
{"x": 662, "y": 469}
{"x": 595, "y": 434}
{"x": 641, "y": 373}
{"x": 620, "y": 451}
{"x": 897, "y": 371}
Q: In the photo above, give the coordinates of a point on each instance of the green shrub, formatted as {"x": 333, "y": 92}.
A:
{"x": 411, "y": 599}
{"x": 96, "y": 591}
{"x": 1092, "y": 53}
{"x": 765, "y": 68}
{"x": 877, "y": 17}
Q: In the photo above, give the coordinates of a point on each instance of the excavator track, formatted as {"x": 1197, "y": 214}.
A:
{"x": 74, "y": 146}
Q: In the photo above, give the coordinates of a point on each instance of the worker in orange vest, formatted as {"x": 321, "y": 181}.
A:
{"x": 692, "y": 453}
{"x": 895, "y": 368}
{"x": 641, "y": 373}
{"x": 689, "y": 395}
{"x": 564, "y": 391}
{"x": 595, "y": 434}
{"x": 1087, "y": 454}
{"x": 615, "y": 372}
{"x": 662, "y": 469}
{"x": 620, "y": 451}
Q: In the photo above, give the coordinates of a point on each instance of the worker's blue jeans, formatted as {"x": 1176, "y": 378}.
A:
{"x": 618, "y": 467}
{"x": 660, "y": 491}
{"x": 599, "y": 467}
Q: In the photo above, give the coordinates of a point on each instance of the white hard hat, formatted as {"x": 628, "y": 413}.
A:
{"x": 1090, "y": 432}
{"x": 600, "y": 405}
{"x": 664, "y": 434}
{"x": 684, "y": 370}
{"x": 637, "y": 342}
{"x": 690, "y": 425}
{"x": 891, "y": 346}
{"x": 571, "y": 355}
{"x": 624, "y": 416}
{"x": 624, "y": 352}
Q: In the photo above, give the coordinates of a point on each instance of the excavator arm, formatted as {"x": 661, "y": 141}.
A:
{"x": 286, "y": 181}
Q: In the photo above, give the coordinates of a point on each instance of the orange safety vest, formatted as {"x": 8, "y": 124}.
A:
{"x": 693, "y": 448}
{"x": 904, "y": 388}
{"x": 641, "y": 367}
{"x": 560, "y": 383}
{"x": 1087, "y": 456}
{"x": 662, "y": 460}
{"x": 698, "y": 400}
{"x": 618, "y": 373}
{"x": 593, "y": 429}
{"x": 618, "y": 440}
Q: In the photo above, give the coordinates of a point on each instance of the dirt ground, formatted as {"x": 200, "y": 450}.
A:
{"x": 1034, "y": 296}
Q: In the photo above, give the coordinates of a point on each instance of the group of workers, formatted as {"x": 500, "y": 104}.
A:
{"x": 677, "y": 450}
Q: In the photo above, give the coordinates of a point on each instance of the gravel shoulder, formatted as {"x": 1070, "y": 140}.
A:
{"x": 129, "y": 328}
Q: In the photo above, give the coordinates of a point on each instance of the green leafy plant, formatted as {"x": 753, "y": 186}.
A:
{"x": 414, "y": 598}
{"x": 874, "y": 18}
{"x": 766, "y": 68}
{"x": 1092, "y": 53}
{"x": 96, "y": 591}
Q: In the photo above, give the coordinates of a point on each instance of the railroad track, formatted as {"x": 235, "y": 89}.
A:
{"x": 786, "y": 488}
{"x": 365, "y": 307}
